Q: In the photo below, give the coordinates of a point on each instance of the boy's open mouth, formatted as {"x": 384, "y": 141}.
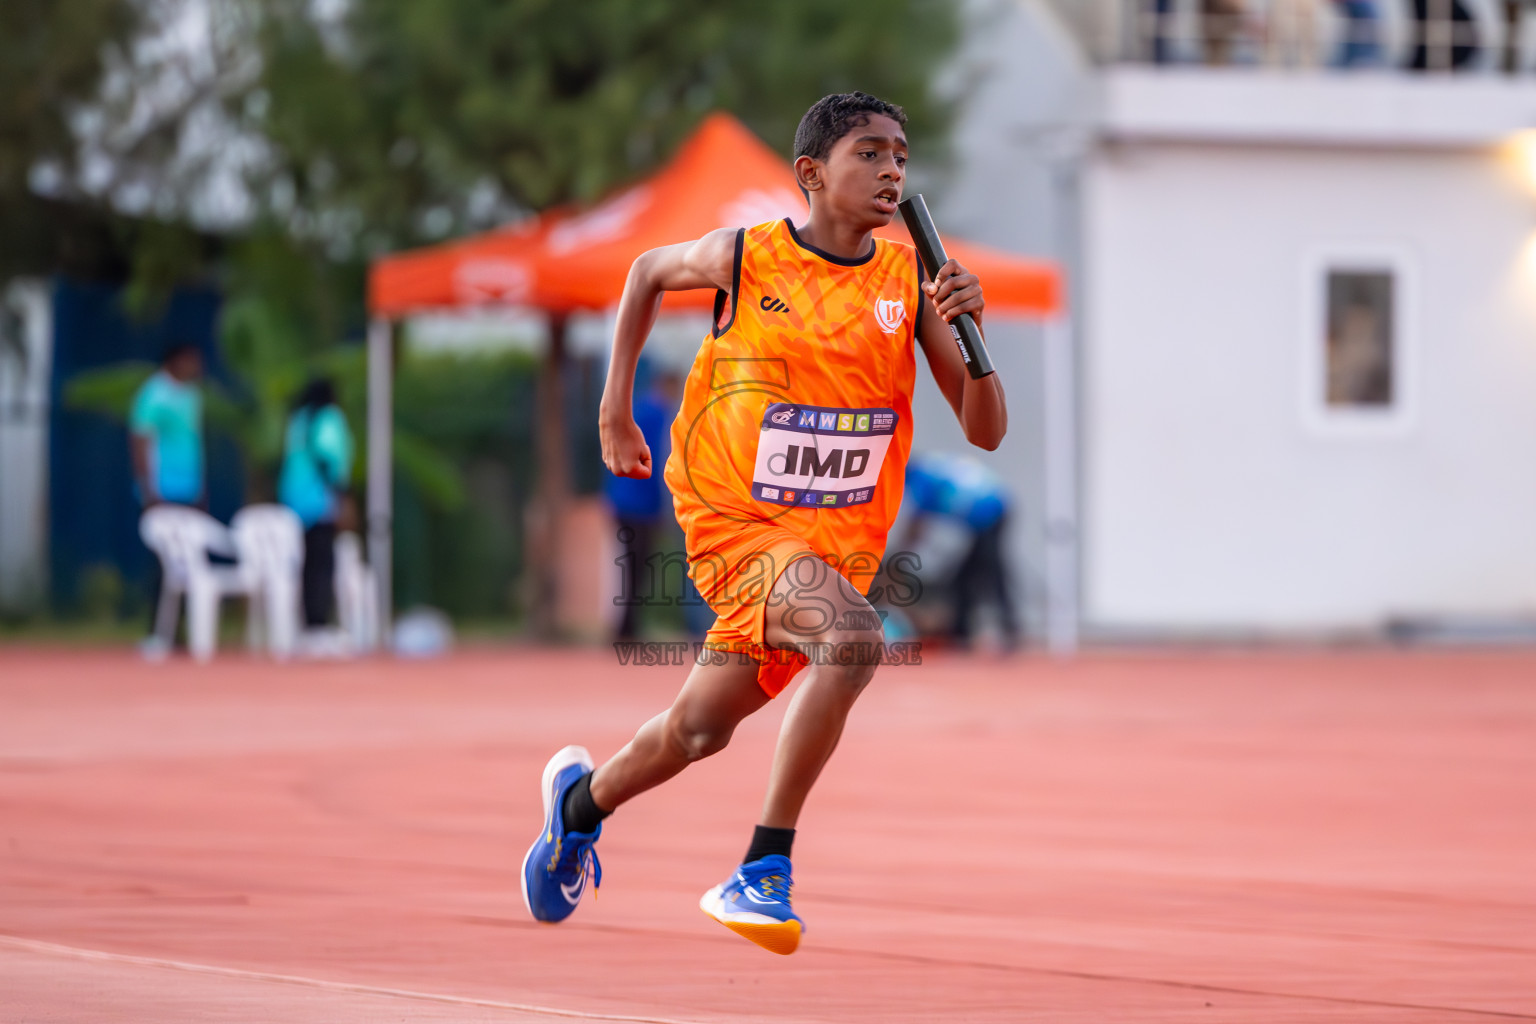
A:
{"x": 886, "y": 200}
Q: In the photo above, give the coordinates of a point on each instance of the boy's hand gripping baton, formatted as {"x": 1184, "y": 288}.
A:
{"x": 978, "y": 362}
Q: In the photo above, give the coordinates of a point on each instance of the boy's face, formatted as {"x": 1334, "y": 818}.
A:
{"x": 860, "y": 181}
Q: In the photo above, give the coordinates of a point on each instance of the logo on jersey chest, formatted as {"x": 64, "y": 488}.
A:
{"x": 890, "y": 314}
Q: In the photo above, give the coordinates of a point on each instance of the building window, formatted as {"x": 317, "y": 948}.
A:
{"x": 1360, "y": 357}
{"x": 1358, "y": 341}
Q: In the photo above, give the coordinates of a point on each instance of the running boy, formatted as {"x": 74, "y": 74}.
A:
{"x": 787, "y": 462}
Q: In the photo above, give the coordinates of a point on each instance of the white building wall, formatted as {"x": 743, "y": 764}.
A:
{"x": 25, "y": 364}
{"x": 1018, "y": 75}
{"x": 1211, "y": 500}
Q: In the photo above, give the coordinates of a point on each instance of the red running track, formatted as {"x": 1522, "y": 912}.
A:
{"x": 1226, "y": 838}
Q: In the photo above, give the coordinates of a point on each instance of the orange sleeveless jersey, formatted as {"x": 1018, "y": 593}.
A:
{"x": 795, "y": 426}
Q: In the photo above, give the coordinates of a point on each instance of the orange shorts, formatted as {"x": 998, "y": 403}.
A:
{"x": 735, "y": 564}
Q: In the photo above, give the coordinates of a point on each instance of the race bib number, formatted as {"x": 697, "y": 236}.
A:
{"x": 815, "y": 457}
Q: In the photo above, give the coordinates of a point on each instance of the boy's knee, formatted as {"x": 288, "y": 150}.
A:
{"x": 855, "y": 647}
{"x": 859, "y": 673}
{"x": 693, "y": 740}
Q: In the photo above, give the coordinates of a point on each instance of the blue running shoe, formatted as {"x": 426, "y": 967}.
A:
{"x": 754, "y": 903}
{"x": 558, "y": 863}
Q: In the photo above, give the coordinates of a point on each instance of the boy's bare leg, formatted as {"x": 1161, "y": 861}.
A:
{"x": 713, "y": 701}
{"x": 813, "y": 606}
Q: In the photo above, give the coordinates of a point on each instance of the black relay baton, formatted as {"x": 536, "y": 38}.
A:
{"x": 978, "y": 362}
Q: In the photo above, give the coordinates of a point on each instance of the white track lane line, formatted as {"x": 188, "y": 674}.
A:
{"x": 74, "y": 952}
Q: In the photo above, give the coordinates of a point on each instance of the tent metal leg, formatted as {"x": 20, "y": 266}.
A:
{"x": 381, "y": 384}
{"x": 1062, "y": 558}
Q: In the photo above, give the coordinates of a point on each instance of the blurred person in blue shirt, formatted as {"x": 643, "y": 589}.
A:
{"x": 640, "y": 506}
{"x": 165, "y": 431}
{"x": 962, "y": 489}
{"x": 315, "y": 482}
{"x": 1361, "y": 43}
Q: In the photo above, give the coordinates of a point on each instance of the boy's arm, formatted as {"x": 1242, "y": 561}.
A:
{"x": 979, "y": 404}
{"x": 709, "y": 262}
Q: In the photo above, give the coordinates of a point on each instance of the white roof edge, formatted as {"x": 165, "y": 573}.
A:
{"x": 1249, "y": 105}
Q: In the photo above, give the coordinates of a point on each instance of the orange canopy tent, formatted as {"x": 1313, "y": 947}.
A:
{"x": 565, "y": 260}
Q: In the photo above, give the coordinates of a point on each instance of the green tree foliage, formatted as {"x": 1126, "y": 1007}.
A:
{"x": 53, "y": 54}
{"x": 405, "y": 122}
{"x": 54, "y": 58}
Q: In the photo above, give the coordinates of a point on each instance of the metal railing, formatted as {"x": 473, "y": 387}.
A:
{"x": 1430, "y": 36}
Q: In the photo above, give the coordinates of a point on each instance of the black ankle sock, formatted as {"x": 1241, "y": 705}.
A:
{"x": 768, "y": 841}
{"x": 579, "y": 812}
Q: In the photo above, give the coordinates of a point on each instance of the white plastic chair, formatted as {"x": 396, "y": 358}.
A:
{"x": 182, "y": 538}
{"x": 357, "y": 595}
{"x": 270, "y": 541}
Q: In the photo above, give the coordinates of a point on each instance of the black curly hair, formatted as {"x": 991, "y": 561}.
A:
{"x": 832, "y": 117}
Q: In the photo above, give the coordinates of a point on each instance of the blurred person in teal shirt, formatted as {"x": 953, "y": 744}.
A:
{"x": 165, "y": 445}
{"x": 165, "y": 431}
{"x": 315, "y": 482}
